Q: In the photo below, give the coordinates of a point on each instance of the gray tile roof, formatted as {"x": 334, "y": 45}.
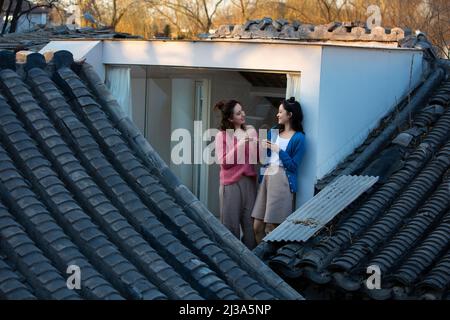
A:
{"x": 267, "y": 28}
{"x": 347, "y": 33}
{"x": 400, "y": 225}
{"x": 76, "y": 190}
{"x": 36, "y": 39}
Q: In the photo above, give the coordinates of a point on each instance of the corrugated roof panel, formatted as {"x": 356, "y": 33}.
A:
{"x": 322, "y": 208}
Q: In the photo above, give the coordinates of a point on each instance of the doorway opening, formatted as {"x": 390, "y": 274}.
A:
{"x": 168, "y": 98}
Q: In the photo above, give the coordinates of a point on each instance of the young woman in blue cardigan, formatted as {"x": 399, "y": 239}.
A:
{"x": 285, "y": 146}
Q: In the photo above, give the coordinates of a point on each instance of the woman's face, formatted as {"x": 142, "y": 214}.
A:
{"x": 238, "y": 117}
{"x": 282, "y": 115}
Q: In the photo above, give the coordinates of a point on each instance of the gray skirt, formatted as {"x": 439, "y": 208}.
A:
{"x": 274, "y": 202}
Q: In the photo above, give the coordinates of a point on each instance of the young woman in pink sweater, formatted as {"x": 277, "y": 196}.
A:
{"x": 236, "y": 151}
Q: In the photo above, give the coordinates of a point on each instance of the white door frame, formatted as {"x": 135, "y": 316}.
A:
{"x": 201, "y": 113}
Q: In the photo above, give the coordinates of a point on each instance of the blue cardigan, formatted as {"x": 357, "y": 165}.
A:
{"x": 290, "y": 158}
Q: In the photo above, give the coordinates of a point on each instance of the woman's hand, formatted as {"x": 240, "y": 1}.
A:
{"x": 244, "y": 137}
{"x": 269, "y": 145}
{"x": 242, "y": 141}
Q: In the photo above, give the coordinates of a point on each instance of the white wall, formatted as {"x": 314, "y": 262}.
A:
{"x": 338, "y": 85}
{"x": 95, "y": 57}
{"x": 357, "y": 88}
{"x": 267, "y": 56}
{"x": 91, "y": 51}
{"x": 289, "y": 56}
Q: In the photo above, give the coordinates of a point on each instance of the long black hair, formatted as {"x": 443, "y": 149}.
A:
{"x": 226, "y": 108}
{"x": 293, "y": 106}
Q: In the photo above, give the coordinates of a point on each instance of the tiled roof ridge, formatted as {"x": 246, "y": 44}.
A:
{"x": 37, "y": 38}
{"x": 405, "y": 204}
{"x": 62, "y": 30}
{"x": 267, "y": 28}
{"x": 397, "y": 242}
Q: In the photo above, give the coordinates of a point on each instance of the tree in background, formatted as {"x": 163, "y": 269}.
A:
{"x": 429, "y": 16}
{"x": 194, "y": 17}
{"x": 107, "y": 12}
{"x": 167, "y": 32}
{"x": 11, "y": 11}
{"x": 189, "y": 18}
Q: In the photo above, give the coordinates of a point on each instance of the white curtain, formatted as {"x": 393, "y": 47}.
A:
{"x": 293, "y": 86}
{"x": 118, "y": 81}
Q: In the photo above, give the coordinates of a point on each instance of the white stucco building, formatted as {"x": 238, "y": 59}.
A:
{"x": 344, "y": 88}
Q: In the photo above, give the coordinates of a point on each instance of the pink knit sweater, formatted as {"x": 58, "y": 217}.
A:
{"x": 233, "y": 168}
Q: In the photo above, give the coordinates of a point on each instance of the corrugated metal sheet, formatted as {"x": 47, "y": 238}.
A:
{"x": 319, "y": 210}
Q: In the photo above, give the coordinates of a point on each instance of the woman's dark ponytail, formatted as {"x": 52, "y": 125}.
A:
{"x": 293, "y": 106}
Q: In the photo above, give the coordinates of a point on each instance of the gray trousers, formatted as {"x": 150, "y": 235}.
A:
{"x": 236, "y": 205}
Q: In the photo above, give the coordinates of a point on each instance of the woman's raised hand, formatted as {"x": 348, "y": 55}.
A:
{"x": 269, "y": 145}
